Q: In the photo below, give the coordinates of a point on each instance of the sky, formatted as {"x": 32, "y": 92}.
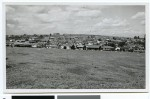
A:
{"x": 109, "y": 20}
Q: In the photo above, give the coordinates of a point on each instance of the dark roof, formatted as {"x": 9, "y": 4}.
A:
{"x": 107, "y": 47}
{"x": 93, "y": 46}
{"x": 117, "y": 41}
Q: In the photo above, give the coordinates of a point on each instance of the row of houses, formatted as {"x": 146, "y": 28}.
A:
{"x": 78, "y": 43}
{"x": 76, "y": 47}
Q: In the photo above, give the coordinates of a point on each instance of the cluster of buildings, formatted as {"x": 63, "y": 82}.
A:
{"x": 77, "y": 42}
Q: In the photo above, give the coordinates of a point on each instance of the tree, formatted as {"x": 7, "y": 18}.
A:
{"x": 84, "y": 47}
{"x": 35, "y": 35}
{"x": 26, "y": 39}
{"x": 99, "y": 39}
{"x": 121, "y": 44}
{"x": 73, "y": 47}
{"x": 111, "y": 44}
{"x": 114, "y": 38}
{"x": 41, "y": 36}
{"x": 48, "y": 42}
{"x": 24, "y": 35}
{"x": 135, "y": 37}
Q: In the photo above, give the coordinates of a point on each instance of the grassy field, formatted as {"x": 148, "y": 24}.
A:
{"x": 35, "y": 68}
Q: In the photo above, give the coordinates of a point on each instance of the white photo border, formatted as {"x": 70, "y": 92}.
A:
{"x": 75, "y": 90}
{"x": 102, "y": 95}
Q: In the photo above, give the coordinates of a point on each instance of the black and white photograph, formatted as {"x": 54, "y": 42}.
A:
{"x": 75, "y": 46}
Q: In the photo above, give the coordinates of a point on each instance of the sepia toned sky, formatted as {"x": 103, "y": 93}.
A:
{"x": 111, "y": 20}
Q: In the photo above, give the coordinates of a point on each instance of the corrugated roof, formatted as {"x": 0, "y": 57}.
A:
{"x": 93, "y": 46}
{"x": 107, "y": 47}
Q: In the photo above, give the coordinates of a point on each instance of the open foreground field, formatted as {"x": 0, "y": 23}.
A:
{"x": 35, "y": 68}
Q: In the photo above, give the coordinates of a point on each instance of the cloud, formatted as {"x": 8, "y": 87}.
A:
{"x": 120, "y": 23}
{"x": 88, "y": 19}
{"x": 112, "y": 22}
{"x": 139, "y": 15}
{"x": 90, "y": 13}
{"x": 85, "y": 7}
{"x": 53, "y": 15}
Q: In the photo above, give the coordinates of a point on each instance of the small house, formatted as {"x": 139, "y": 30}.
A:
{"x": 51, "y": 46}
{"x": 139, "y": 49}
{"x": 126, "y": 48}
{"x": 117, "y": 49}
{"x": 22, "y": 43}
{"x": 34, "y": 45}
{"x": 65, "y": 46}
{"x": 93, "y": 47}
{"x": 80, "y": 46}
{"x": 108, "y": 48}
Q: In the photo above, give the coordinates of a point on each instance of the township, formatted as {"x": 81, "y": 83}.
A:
{"x": 78, "y": 42}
